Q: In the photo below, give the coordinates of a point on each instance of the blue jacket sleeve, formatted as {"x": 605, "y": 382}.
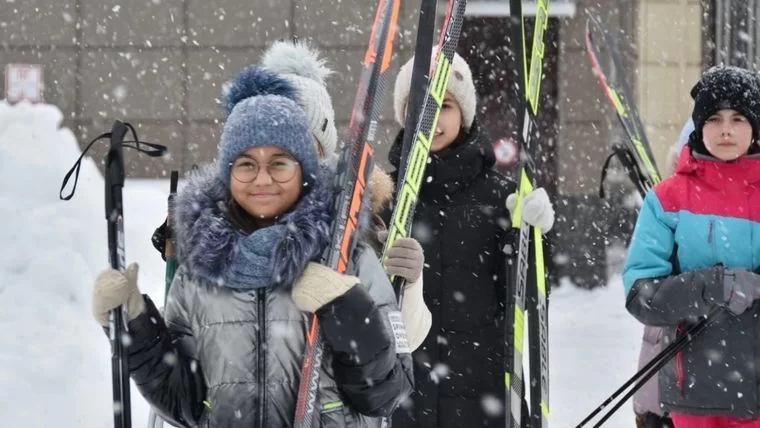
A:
{"x": 656, "y": 295}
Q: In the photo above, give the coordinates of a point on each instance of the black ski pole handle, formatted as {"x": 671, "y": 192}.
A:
{"x": 114, "y": 183}
{"x": 114, "y": 212}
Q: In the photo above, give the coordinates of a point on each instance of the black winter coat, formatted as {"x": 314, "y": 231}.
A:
{"x": 463, "y": 225}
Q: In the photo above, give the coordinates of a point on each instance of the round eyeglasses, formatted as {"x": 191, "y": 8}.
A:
{"x": 281, "y": 170}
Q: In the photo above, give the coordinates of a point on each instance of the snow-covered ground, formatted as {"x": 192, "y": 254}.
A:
{"x": 54, "y": 359}
{"x": 593, "y": 349}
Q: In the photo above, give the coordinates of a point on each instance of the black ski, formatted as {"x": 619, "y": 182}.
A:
{"x": 354, "y": 168}
{"x": 636, "y": 154}
{"x": 412, "y": 168}
{"x": 530, "y": 275}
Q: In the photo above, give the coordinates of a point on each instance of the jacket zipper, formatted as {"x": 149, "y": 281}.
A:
{"x": 711, "y": 241}
{"x": 679, "y": 363}
{"x": 261, "y": 363}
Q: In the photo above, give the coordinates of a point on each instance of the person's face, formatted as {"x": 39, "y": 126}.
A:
{"x": 727, "y": 134}
{"x": 266, "y": 182}
{"x": 449, "y": 124}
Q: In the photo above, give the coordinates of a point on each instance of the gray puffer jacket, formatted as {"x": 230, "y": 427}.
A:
{"x": 231, "y": 357}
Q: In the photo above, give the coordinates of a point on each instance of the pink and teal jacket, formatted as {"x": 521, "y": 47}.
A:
{"x": 693, "y": 225}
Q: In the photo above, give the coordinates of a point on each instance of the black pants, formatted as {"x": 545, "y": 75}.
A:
{"x": 651, "y": 420}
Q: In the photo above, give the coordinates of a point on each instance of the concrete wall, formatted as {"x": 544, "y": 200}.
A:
{"x": 588, "y": 125}
{"x": 669, "y": 63}
{"x": 588, "y": 128}
{"x": 160, "y": 64}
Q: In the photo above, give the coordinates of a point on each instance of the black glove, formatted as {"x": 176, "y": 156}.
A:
{"x": 159, "y": 239}
{"x": 652, "y": 420}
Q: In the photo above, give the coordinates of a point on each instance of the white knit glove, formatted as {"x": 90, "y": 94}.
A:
{"x": 536, "y": 209}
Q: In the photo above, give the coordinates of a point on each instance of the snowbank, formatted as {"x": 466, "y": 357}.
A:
{"x": 54, "y": 359}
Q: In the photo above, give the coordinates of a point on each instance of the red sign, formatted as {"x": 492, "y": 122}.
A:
{"x": 24, "y": 82}
{"x": 506, "y": 151}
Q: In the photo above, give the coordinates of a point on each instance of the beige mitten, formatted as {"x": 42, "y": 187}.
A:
{"x": 113, "y": 289}
{"x": 416, "y": 314}
{"x": 320, "y": 285}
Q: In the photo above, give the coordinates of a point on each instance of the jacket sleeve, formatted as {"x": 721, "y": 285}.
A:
{"x": 162, "y": 361}
{"x": 416, "y": 315}
{"x": 506, "y": 253}
{"x": 506, "y": 263}
{"x": 655, "y": 295}
{"x": 371, "y": 356}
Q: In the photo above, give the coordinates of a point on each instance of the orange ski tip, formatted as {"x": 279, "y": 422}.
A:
{"x": 388, "y": 53}
{"x": 371, "y": 55}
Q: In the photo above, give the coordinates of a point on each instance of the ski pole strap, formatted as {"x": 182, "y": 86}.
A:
{"x": 604, "y": 173}
{"x": 77, "y": 166}
{"x": 634, "y": 173}
{"x": 160, "y": 236}
{"x": 156, "y": 150}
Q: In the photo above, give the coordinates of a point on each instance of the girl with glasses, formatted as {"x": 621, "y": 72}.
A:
{"x": 250, "y": 232}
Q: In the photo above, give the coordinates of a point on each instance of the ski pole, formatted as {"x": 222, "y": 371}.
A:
{"x": 114, "y": 179}
{"x": 171, "y": 268}
{"x": 114, "y": 184}
{"x": 170, "y": 250}
{"x": 653, "y": 366}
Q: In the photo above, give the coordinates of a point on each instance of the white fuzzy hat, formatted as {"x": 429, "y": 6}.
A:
{"x": 460, "y": 86}
{"x": 301, "y": 65}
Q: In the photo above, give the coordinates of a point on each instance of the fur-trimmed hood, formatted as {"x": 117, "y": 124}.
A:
{"x": 380, "y": 187}
{"x": 210, "y": 246}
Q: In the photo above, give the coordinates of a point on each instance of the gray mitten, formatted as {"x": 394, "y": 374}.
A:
{"x": 740, "y": 289}
{"x": 405, "y": 258}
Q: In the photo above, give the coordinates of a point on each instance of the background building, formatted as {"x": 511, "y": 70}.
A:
{"x": 159, "y": 64}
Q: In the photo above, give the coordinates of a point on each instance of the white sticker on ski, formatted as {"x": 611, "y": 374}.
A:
{"x": 399, "y": 333}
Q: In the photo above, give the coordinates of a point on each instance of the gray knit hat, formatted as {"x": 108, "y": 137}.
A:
{"x": 262, "y": 111}
{"x": 302, "y": 66}
{"x": 460, "y": 86}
